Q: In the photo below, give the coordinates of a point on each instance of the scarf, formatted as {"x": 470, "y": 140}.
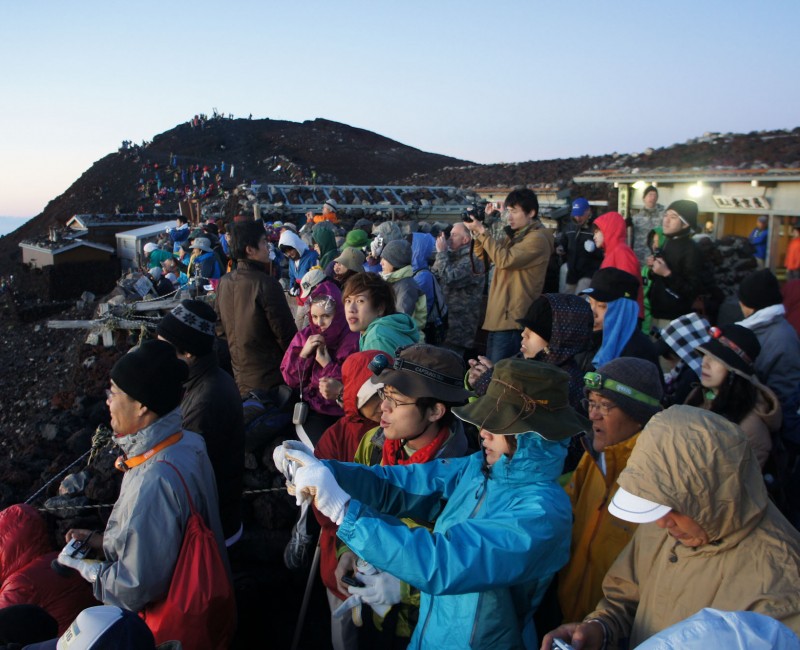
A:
{"x": 394, "y": 454}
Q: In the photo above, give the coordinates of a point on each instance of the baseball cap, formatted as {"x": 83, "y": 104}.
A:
{"x": 612, "y": 284}
{"x": 579, "y": 206}
{"x": 102, "y": 628}
{"x": 629, "y": 507}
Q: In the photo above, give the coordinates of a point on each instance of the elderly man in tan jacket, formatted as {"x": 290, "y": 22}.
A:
{"x": 708, "y": 537}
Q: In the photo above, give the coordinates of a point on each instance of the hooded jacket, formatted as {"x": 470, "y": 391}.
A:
{"x": 325, "y": 238}
{"x": 144, "y": 533}
{"x": 408, "y": 297}
{"x": 423, "y": 246}
{"x": 759, "y": 424}
{"x": 520, "y": 267}
{"x": 618, "y": 254}
{"x": 389, "y": 333}
{"x": 257, "y": 323}
{"x": 308, "y": 257}
{"x": 25, "y": 574}
{"x": 702, "y": 466}
{"x": 339, "y": 341}
{"x": 494, "y": 548}
{"x": 597, "y": 536}
{"x": 340, "y": 442}
{"x": 580, "y": 262}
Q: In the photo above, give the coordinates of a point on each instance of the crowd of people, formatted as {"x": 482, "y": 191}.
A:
{"x": 491, "y": 454}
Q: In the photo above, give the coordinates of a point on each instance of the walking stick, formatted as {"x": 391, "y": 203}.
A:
{"x": 298, "y": 630}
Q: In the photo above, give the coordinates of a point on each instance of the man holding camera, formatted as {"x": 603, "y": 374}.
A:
{"x": 520, "y": 257}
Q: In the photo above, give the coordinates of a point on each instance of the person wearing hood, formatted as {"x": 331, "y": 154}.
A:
{"x": 396, "y": 269}
{"x": 501, "y": 520}
{"x": 324, "y": 238}
{"x": 556, "y": 328}
{"x": 609, "y": 236}
{"x": 621, "y": 397}
{"x": 301, "y": 258}
{"x": 362, "y": 411}
{"x": 612, "y": 298}
{"x": 423, "y": 246}
{"x": 678, "y": 345}
{"x": 318, "y": 351}
{"x": 676, "y": 268}
{"x": 26, "y": 576}
{"x": 729, "y": 386}
{"x": 708, "y": 536}
{"x": 204, "y": 263}
{"x": 428, "y": 378}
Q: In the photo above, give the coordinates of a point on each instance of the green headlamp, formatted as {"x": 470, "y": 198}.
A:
{"x": 596, "y": 381}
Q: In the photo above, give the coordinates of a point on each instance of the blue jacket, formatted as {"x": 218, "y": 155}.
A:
{"x": 494, "y": 548}
{"x": 759, "y": 239}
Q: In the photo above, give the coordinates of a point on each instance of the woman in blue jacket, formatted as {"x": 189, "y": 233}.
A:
{"x": 502, "y": 522}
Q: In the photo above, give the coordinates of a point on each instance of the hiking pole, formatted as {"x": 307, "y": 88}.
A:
{"x": 298, "y": 630}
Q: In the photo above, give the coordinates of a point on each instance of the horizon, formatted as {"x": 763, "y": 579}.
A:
{"x": 522, "y": 81}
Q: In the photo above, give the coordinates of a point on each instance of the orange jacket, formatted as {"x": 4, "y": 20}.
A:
{"x": 597, "y": 536}
{"x": 793, "y": 255}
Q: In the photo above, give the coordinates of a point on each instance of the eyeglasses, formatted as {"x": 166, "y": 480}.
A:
{"x": 393, "y": 403}
{"x": 602, "y": 408}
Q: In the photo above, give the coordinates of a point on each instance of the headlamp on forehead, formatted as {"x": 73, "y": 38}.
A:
{"x": 595, "y": 381}
{"x": 378, "y": 364}
{"x": 716, "y": 333}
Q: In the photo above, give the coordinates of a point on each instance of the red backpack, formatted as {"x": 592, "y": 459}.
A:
{"x": 200, "y": 608}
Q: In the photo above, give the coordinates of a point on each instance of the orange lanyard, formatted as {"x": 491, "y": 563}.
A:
{"x": 124, "y": 464}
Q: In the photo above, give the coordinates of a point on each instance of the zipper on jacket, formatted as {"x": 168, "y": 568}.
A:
{"x": 475, "y": 622}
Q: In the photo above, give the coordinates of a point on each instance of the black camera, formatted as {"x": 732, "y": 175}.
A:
{"x": 472, "y": 213}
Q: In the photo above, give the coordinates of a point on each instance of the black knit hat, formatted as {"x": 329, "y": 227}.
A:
{"x": 687, "y": 210}
{"x": 153, "y": 375}
{"x": 635, "y": 386}
{"x": 760, "y": 289}
{"x": 539, "y": 318}
{"x": 734, "y": 346}
{"x": 190, "y": 327}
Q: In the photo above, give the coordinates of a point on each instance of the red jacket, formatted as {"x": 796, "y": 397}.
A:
{"x": 618, "y": 254}
{"x": 25, "y": 574}
{"x": 339, "y": 442}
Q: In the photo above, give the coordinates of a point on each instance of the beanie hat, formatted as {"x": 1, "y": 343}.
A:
{"x": 153, "y": 375}
{"x": 760, "y": 289}
{"x": 687, "y": 210}
{"x": 539, "y": 318}
{"x": 648, "y": 189}
{"x": 397, "y": 253}
{"x": 633, "y": 384}
{"x": 149, "y": 247}
{"x": 356, "y": 239}
{"x": 190, "y": 327}
{"x": 734, "y": 346}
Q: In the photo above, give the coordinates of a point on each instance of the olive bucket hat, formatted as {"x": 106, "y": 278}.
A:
{"x": 523, "y": 396}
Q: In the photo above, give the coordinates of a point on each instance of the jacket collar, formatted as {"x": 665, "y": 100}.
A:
{"x": 147, "y": 438}
{"x": 201, "y": 367}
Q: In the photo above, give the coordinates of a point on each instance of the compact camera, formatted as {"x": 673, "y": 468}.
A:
{"x": 300, "y": 413}
{"x": 77, "y": 548}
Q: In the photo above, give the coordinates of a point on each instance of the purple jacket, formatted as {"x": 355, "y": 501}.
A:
{"x": 341, "y": 343}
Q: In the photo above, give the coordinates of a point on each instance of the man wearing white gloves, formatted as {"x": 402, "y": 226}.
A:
{"x": 502, "y": 521}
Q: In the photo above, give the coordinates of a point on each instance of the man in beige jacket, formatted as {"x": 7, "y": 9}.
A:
{"x": 708, "y": 537}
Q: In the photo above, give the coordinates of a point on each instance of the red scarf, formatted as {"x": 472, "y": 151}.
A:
{"x": 394, "y": 454}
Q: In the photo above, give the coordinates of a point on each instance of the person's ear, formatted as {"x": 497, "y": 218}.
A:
{"x": 436, "y": 412}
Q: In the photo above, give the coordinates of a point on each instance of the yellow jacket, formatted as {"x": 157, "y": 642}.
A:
{"x": 597, "y": 536}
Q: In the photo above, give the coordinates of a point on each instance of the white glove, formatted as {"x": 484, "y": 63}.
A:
{"x": 380, "y": 591}
{"x": 89, "y": 569}
{"x": 589, "y": 246}
{"x": 317, "y": 482}
{"x": 279, "y": 454}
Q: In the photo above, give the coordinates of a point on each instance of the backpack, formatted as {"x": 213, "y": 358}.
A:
{"x": 199, "y": 609}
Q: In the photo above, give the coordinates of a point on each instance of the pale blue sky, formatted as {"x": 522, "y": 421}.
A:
{"x": 499, "y": 81}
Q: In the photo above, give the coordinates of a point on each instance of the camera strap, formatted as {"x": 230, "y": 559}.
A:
{"x": 124, "y": 464}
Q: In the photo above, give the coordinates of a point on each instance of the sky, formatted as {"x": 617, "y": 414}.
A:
{"x": 499, "y": 81}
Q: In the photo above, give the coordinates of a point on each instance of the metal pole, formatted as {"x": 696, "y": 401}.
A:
{"x": 298, "y": 630}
